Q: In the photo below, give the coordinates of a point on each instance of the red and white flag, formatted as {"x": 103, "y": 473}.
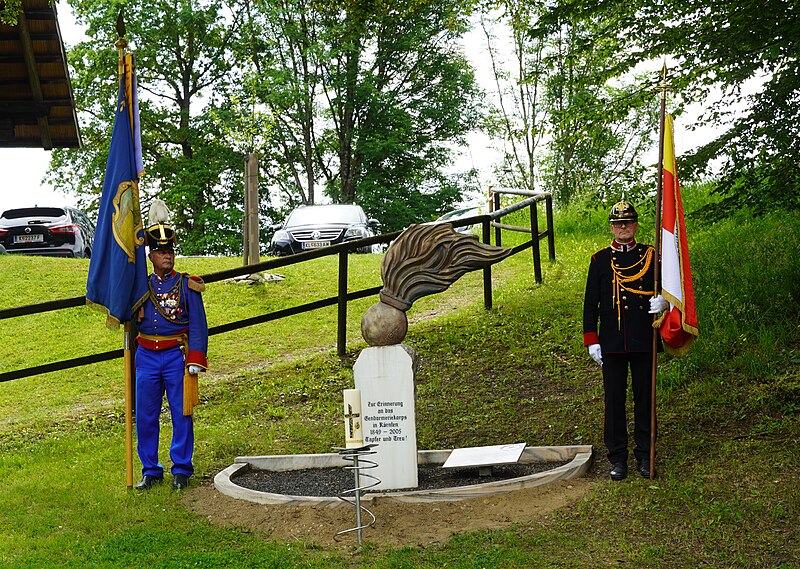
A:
{"x": 678, "y": 327}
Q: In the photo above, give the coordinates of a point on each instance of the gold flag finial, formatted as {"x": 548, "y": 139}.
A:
{"x": 120, "y": 24}
{"x": 664, "y": 86}
{"x": 121, "y": 43}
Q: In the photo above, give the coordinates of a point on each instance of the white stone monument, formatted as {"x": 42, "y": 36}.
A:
{"x": 385, "y": 377}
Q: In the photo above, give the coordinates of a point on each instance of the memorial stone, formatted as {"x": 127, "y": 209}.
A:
{"x": 385, "y": 377}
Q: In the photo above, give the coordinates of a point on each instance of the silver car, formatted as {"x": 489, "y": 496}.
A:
{"x": 315, "y": 226}
{"x": 54, "y": 231}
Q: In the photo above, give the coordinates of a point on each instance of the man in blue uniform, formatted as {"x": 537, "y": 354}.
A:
{"x": 172, "y": 346}
{"x": 620, "y": 295}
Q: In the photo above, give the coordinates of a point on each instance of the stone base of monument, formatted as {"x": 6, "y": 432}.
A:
{"x": 567, "y": 462}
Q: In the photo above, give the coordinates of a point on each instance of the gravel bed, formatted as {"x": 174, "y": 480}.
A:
{"x": 334, "y": 481}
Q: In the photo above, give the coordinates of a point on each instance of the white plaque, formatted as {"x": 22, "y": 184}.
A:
{"x": 484, "y": 456}
{"x": 385, "y": 377}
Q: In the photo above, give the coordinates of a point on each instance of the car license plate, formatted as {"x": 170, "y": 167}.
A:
{"x": 34, "y": 238}
{"x": 315, "y": 244}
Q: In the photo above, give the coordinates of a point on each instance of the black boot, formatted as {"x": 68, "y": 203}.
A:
{"x": 148, "y": 482}
{"x": 619, "y": 470}
{"x": 180, "y": 481}
{"x": 643, "y": 466}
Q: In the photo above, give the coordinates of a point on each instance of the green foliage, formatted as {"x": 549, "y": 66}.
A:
{"x": 361, "y": 101}
{"x": 9, "y": 12}
{"x": 183, "y": 53}
{"x": 600, "y": 130}
{"x": 728, "y": 412}
{"x": 749, "y": 52}
{"x": 396, "y": 90}
{"x": 565, "y": 123}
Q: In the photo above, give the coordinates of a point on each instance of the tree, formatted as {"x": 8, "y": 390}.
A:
{"x": 9, "y": 12}
{"x": 282, "y": 45}
{"x": 361, "y": 99}
{"x": 183, "y": 54}
{"x": 564, "y": 126}
{"x": 519, "y": 117}
{"x": 727, "y": 45}
{"x": 368, "y": 97}
{"x": 601, "y": 128}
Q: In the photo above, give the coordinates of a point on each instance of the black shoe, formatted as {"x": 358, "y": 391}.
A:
{"x": 180, "y": 481}
{"x": 619, "y": 470}
{"x": 148, "y": 482}
{"x": 643, "y": 466}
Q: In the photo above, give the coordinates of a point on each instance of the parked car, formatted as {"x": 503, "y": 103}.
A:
{"x": 458, "y": 214}
{"x": 314, "y": 226}
{"x": 55, "y": 231}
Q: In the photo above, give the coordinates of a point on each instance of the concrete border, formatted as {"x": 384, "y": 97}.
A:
{"x": 580, "y": 457}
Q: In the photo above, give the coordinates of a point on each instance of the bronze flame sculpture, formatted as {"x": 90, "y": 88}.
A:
{"x": 425, "y": 259}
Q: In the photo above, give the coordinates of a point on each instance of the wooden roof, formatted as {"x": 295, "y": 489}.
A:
{"x": 37, "y": 107}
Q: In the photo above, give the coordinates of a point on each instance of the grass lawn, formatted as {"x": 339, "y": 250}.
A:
{"x": 728, "y": 490}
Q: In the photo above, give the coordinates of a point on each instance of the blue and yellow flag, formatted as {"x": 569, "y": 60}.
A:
{"x": 117, "y": 282}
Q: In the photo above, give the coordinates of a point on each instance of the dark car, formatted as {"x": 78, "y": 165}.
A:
{"x": 315, "y": 226}
{"x": 55, "y": 231}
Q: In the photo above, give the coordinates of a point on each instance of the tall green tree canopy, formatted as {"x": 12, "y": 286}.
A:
{"x": 368, "y": 98}
{"x": 564, "y": 125}
{"x": 728, "y": 45}
{"x": 184, "y": 66}
{"x": 360, "y": 99}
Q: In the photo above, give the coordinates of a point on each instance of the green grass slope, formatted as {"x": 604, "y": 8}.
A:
{"x": 729, "y": 468}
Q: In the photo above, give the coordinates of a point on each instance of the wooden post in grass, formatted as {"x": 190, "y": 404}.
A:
{"x": 656, "y": 268}
{"x": 251, "y": 238}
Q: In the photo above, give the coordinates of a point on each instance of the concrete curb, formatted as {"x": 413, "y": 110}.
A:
{"x": 580, "y": 457}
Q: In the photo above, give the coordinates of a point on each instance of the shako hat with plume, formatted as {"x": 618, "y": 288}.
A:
{"x": 160, "y": 234}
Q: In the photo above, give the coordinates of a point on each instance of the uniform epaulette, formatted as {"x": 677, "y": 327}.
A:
{"x": 195, "y": 283}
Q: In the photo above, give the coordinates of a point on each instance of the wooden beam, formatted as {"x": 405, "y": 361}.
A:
{"x": 33, "y": 76}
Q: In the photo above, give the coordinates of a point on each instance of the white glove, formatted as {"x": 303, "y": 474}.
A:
{"x": 194, "y": 370}
{"x": 658, "y": 304}
{"x": 596, "y": 353}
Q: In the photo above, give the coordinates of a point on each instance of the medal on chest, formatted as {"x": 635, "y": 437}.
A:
{"x": 169, "y": 303}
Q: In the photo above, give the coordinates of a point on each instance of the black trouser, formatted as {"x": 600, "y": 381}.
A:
{"x": 615, "y": 385}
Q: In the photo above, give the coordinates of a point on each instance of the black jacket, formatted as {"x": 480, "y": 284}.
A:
{"x": 625, "y": 324}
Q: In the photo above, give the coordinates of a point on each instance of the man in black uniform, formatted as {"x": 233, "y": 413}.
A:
{"x": 619, "y": 293}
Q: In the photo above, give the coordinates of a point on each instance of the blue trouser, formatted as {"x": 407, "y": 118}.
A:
{"x": 158, "y": 372}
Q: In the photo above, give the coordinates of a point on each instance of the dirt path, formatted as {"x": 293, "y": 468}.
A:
{"x": 398, "y": 524}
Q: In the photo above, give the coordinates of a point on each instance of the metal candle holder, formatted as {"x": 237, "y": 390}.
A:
{"x": 359, "y": 463}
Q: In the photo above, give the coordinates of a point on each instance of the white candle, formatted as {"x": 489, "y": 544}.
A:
{"x": 353, "y": 433}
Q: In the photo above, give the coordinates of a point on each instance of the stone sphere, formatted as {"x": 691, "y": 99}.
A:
{"x": 383, "y": 325}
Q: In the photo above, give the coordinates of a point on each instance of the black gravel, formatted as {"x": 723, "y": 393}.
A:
{"x": 334, "y": 481}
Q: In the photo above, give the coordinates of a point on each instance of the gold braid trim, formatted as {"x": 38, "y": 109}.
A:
{"x": 195, "y": 283}
{"x": 620, "y": 279}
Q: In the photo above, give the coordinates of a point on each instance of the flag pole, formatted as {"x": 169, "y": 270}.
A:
{"x": 128, "y": 407}
{"x": 121, "y": 46}
{"x": 657, "y": 267}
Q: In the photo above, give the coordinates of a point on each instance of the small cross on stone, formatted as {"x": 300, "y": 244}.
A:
{"x": 350, "y": 416}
